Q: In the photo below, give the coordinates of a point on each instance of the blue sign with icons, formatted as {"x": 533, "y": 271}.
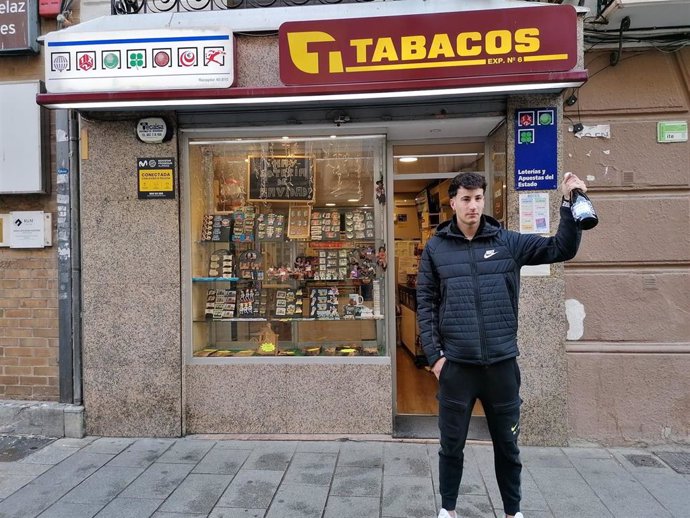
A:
{"x": 536, "y": 149}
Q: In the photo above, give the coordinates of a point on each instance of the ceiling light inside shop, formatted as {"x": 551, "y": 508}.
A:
{"x": 330, "y": 204}
{"x": 286, "y": 138}
{"x": 408, "y": 159}
{"x": 353, "y": 200}
{"x": 333, "y": 136}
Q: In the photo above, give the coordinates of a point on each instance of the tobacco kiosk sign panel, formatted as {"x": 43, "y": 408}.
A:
{"x": 493, "y": 42}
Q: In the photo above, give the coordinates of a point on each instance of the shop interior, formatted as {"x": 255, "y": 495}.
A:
{"x": 422, "y": 173}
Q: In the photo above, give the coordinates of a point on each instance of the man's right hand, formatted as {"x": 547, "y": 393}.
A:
{"x": 436, "y": 369}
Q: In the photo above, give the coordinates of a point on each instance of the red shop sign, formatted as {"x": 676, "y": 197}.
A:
{"x": 429, "y": 46}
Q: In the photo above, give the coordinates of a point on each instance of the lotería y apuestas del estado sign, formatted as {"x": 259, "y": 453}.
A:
{"x": 18, "y": 27}
{"x": 523, "y": 40}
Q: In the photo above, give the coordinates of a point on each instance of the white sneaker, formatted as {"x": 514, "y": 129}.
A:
{"x": 444, "y": 514}
{"x": 519, "y": 515}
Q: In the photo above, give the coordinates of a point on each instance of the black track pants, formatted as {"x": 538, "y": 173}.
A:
{"x": 497, "y": 386}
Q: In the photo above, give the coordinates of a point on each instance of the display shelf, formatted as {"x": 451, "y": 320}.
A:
{"x": 218, "y": 279}
{"x": 279, "y": 319}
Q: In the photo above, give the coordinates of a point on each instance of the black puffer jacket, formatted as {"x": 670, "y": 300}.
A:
{"x": 468, "y": 290}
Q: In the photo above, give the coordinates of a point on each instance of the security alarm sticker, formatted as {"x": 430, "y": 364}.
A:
{"x": 156, "y": 178}
{"x": 152, "y": 130}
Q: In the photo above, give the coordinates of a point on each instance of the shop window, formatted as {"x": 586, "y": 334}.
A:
{"x": 286, "y": 247}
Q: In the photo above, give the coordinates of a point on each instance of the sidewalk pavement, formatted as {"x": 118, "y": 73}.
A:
{"x": 203, "y": 476}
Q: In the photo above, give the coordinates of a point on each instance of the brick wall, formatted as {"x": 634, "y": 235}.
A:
{"x": 28, "y": 281}
{"x": 28, "y": 314}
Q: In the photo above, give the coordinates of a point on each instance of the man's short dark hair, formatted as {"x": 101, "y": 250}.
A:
{"x": 468, "y": 181}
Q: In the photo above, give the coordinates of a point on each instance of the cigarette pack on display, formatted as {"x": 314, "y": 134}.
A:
{"x": 221, "y": 264}
{"x": 289, "y": 303}
{"x": 405, "y": 266}
{"x": 323, "y": 303}
{"x": 243, "y": 228}
{"x": 325, "y": 225}
{"x": 221, "y": 304}
{"x": 252, "y": 303}
{"x": 216, "y": 227}
{"x": 270, "y": 227}
{"x": 298, "y": 222}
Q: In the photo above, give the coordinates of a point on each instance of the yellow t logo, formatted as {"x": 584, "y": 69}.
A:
{"x": 308, "y": 62}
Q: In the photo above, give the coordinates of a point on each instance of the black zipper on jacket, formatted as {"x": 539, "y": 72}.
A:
{"x": 478, "y": 306}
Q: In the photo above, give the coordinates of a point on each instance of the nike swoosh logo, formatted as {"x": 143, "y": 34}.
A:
{"x": 489, "y": 253}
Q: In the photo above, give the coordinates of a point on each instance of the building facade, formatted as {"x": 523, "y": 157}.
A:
{"x": 29, "y": 321}
{"x": 159, "y": 355}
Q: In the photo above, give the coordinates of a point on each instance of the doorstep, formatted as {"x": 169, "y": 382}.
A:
{"x": 44, "y": 418}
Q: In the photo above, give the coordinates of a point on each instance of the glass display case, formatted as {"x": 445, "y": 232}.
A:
{"x": 286, "y": 252}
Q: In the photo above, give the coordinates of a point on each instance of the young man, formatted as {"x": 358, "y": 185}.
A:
{"x": 467, "y": 306}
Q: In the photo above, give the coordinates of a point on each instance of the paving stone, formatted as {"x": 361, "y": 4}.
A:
{"x": 25, "y": 469}
{"x": 311, "y": 468}
{"x": 130, "y": 508}
{"x": 406, "y": 460}
{"x": 271, "y": 456}
{"x": 11, "y": 483}
{"x": 544, "y": 457}
{"x": 186, "y": 451}
{"x": 230, "y": 512}
{"x": 231, "y": 444}
{"x": 142, "y": 453}
{"x": 298, "y": 501}
{"x": 71, "y": 442}
{"x": 588, "y": 453}
{"x": 151, "y": 444}
{"x": 113, "y": 445}
{"x": 361, "y": 454}
{"x": 475, "y": 506}
{"x": 532, "y": 498}
{"x": 407, "y": 496}
{"x": 530, "y": 514}
{"x": 352, "y": 507}
{"x": 158, "y": 481}
{"x": 484, "y": 457}
{"x": 197, "y": 494}
{"x": 599, "y": 465}
{"x": 567, "y": 493}
{"x": 357, "y": 481}
{"x": 222, "y": 461}
{"x": 557, "y": 482}
{"x": 670, "y": 490}
{"x": 103, "y": 486}
{"x": 17, "y": 447}
{"x": 618, "y": 490}
{"x": 71, "y": 510}
{"x": 51, "y": 454}
{"x": 319, "y": 446}
{"x": 251, "y": 489}
{"x": 161, "y": 514}
{"x": 48, "y": 488}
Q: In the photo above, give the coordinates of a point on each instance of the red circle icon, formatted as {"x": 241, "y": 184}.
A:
{"x": 188, "y": 58}
{"x": 162, "y": 59}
